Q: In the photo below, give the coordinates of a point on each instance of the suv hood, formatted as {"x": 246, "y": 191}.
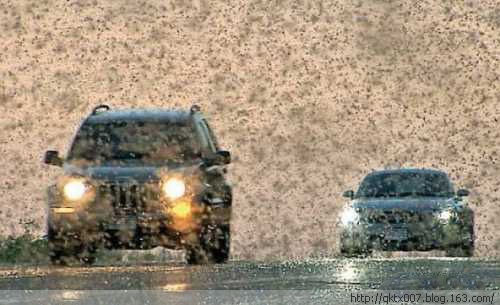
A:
{"x": 420, "y": 204}
{"x": 137, "y": 173}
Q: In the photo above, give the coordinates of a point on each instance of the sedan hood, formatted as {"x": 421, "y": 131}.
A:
{"x": 420, "y": 204}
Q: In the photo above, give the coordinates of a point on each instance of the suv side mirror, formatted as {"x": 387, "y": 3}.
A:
{"x": 463, "y": 193}
{"x": 221, "y": 157}
{"x": 348, "y": 194}
{"x": 52, "y": 158}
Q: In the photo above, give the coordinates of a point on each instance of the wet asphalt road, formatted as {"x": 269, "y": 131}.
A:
{"x": 336, "y": 275}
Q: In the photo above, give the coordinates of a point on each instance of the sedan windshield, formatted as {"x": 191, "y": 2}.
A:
{"x": 148, "y": 142}
{"x": 405, "y": 184}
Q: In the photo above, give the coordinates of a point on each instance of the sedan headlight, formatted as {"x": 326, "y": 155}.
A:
{"x": 174, "y": 188}
{"x": 445, "y": 216}
{"x": 349, "y": 216}
{"x": 74, "y": 190}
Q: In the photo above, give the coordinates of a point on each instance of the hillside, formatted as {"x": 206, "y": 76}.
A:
{"x": 309, "y": 97}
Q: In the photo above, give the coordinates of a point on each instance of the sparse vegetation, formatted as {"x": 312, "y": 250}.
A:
{"x": 23, "y": 249}
{"x": 30, "y": 250}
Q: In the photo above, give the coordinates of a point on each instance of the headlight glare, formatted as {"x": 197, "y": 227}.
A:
{"x": 174, "y": 188}
{"x": 181, "y": 209}
{"x": 349, "y": 216}
{"x": 74, "y": 190}
{"x": 445, "y": 215}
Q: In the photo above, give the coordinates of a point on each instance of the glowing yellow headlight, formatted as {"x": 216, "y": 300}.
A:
{"x": 174, "y": 188}
{"x": 74, "y": 190}
{"x": 181, "y": 209}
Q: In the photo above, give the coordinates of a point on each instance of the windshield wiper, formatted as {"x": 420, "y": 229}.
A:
{"x": 431, "y": 194}
{"x": 375, "y": 195}
{"x": 418, "y": 194}
{"x": 406, "y": 194}
{"x": 122, "y": 154}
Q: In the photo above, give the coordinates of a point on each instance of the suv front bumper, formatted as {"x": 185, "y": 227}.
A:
{"x": 141, "y": 230}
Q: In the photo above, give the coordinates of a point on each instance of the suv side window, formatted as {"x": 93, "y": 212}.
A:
{"x": 203, "y": 134}
{"x": 211, "y": 135}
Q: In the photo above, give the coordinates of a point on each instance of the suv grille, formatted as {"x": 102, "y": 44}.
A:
{"x": 125, "y": 198}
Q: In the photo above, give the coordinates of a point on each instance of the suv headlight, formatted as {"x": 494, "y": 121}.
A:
{"x": 75, "y": 189}
{"x": 173, "y": 188}
{"x": 349, "y": 216}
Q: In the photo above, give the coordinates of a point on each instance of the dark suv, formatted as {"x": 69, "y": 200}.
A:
{"x": 138, "y": 179}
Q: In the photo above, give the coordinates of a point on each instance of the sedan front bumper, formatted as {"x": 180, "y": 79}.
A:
{"x": 406, "y": 237}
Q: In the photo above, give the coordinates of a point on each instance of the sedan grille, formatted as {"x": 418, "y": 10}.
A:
{"x": 395, "y": 217}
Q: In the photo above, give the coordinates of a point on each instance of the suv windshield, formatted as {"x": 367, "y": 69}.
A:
{"x": 405, "y": 184}
{"x": 147, "y": 142}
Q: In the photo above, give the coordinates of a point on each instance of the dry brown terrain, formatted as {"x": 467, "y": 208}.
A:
{"x": 308, "y": 95}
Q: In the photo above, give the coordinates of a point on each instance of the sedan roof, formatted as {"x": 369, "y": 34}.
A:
{"x": 408, "y": 171}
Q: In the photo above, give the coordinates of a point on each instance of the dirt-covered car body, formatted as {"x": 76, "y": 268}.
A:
{"x": 407, "y": 210}
{"x": 138, "y": 179}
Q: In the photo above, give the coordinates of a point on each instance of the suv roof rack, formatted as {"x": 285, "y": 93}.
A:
{"x": 195, "y": 108}
{"x": 100, "y": 107}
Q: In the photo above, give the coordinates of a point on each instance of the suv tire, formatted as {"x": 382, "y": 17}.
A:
{"x": 67, "y": 249}
{"x": 213, "y": 246}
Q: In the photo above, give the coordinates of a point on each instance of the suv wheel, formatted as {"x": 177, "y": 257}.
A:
{"x": 213, "y": 246}
{"x": 67, "y": 249}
